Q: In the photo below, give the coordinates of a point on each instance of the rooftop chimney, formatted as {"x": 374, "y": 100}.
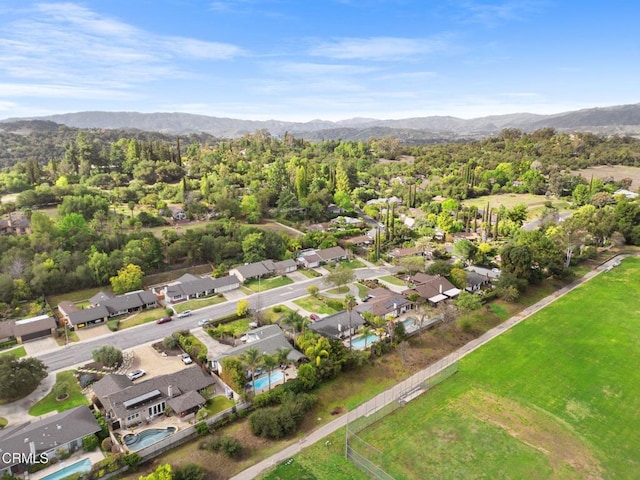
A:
{"x": 170, "y": 391}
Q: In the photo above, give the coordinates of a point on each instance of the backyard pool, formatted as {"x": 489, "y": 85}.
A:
{"x": 78, "y": 467}
{"x": 263, "y": 382}
{"x": 138, "y": 441}
{"x": 364, "y": 341}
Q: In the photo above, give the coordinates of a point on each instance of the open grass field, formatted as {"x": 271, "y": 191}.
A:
{"x": 618, "y": 172}
{"x": 50, "y": 404}
{"x": 314, "y": 305}
{"x": 558, "y": 396}
{"x": 534, "y": 203}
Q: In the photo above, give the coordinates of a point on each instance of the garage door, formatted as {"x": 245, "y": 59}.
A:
{"x": 36, "y": 335}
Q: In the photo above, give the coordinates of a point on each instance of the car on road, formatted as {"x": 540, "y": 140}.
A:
{"x": 184, "y": 314}
{"x": 314, "y": 317}
{"x": 203, "y": 322}
{"x": 164, "y": 320}
{"x": 186, "y": 358}
{"x": 136, "y": 374}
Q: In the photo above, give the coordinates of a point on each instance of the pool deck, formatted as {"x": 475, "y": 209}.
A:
{"x": 78, "y": 456}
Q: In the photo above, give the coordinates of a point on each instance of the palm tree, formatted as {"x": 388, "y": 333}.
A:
{"x": 282, "y": 355}
{"x": 251, "y": 359}
{"x": 318, "y": 350}
{"x": 366, "y": 330}
{"x": 269, "y": 362}
{"x": 296, "y": 321}
{"x": 349, "y": 305}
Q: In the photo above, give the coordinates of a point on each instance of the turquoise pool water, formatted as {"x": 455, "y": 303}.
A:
{"x": 81, "y": 466}
{"x": 138, "y": 441}
{"x": 263, "y": 382}
{"x": 408, "y": 322}
{"x": 364, "y": 342}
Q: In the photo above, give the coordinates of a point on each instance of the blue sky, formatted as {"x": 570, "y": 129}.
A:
{"x": 307, "y": 59}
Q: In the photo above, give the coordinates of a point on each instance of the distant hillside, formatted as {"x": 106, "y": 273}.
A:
{"x": 623, "y": 119}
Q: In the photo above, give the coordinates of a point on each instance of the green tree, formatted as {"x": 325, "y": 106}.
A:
{"x": 412, "y": 264}
{"x": 468, "y": 302}
{"x": 163, "y": 472}
{"x": 296, "y": 321}
{"x": 253, "y": 248}
{"x": 340, "y": 276}
{"x": 313, "y": 290}
{"x": 318, "y": 350}
{"x": 251, "y": 359}
{"x": 108, "y": 355}
{"x": 308, "y": 376}
{"x": 269, "y": 362}
{"x": 242, "y": 308}
{"x": 458, "y": 277}
{"x": 129, "y": 278}
{"x": 250, "y": 208}
{"x": 349, "y": 304}
{"x": 19, "y": 377}
{"x": 100, "y": 266}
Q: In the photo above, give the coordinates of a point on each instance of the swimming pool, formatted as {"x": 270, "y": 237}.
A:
{"x": 138, "y": 441}
{"x": 78, "y": 467}
{"x": 409, "y": 323}
{"x": 364, "y": 341}
{"x": 263, "y": 382}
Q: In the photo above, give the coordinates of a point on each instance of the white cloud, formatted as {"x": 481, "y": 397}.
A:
{"x": 492, "y": 14}
{"x": 79, "y": 52}
{"x": 381, "y": 48}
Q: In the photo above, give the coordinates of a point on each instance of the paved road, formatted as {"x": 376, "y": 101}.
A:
{"x": 77, "y": 353}
{"x": 392, "y": 394}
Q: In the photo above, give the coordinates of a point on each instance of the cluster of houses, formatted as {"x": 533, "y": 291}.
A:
{"x": 103, "y": 306}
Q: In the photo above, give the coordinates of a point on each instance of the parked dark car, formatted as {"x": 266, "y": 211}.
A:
{"x": 164, "y": 320}
{"x": 314, "y": 317}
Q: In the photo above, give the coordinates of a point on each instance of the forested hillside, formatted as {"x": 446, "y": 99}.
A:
{"x": 109, "y": 198}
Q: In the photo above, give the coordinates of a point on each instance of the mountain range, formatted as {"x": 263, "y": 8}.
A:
{"x": 622, "y": 120}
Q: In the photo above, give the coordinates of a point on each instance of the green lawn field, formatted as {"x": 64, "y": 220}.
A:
{"x": 556, "y": 397}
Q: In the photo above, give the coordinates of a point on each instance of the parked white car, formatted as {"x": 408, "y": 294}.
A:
{"x": 136, "y": 374}
{"x": 186, "y": 358}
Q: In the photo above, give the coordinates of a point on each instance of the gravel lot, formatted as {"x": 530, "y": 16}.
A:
{"x": 152, "y": 362}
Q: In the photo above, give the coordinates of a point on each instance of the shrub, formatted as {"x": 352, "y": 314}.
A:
{"x": 90, "y": 443}
{"x": 275, "y": 423}
{"x": 231, "y": 446}
{"x": 107, "y": 355}
{"x": 170, "y": 342}
{"x": 86, "y": 379}
{"x": 113, "y": 324}
{"x": 277, "y": 308}
{"x": 106, "y": 445}
{"x": 132, "y": 459}
{"x": 190, "y": 471}
{"x": 61, "y": 389}
{"x": 201, "y": 428}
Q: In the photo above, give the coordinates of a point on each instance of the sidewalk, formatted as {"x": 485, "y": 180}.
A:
{"x": 376, "y": 402}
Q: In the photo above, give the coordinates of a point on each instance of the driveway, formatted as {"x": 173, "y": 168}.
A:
{"x": 234, "y": 295}
{"x": 152, "y": 362}
{"x": 297, "y": 276}
{"x": 42, "y": 345}
{"x": 214, "y": 348}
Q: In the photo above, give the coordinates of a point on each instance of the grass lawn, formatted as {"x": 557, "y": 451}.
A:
{"x": 255, "y": 286}
{"x": 509, "y": 200}
{"x": 217, "y": 404}
{"x": 339, "y": 290}
{"x": 314, "y": 305}
{"x": 270, "y": 315}
{"x": 50, "y": 404}
{"x": 76, "y": 296}
{"x": 362, "y": 290}
{"x": 235, "y": 328}
{"x": 198, "y": 303}
{"x": 70, "y": 336}
{"x": 145, "y": 316}
{"x": 353, "y": 263}
{"x": 393, "y": 280}
{"x": 309, "y": 273}
{"x": 17, "y": 352}
{"x": 541, "y": 401}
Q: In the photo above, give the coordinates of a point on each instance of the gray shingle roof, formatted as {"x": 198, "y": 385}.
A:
{"x": 225, "y": 281}
{"x": 257, "y": 269}
{"x": 333, "y": 325}
{"x": 333, "y": 253}
{"x": 48, "y": 433}
{"x": 88, "y": 315}
{"x": 33, "y": 325}
{"x": 186, "y": 402}
{"x": 184, "y": 381}
{"x": 268, "y": 340}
